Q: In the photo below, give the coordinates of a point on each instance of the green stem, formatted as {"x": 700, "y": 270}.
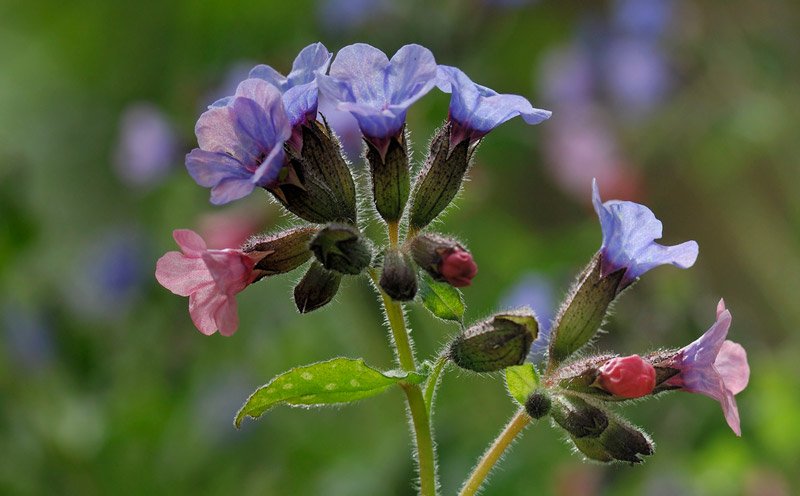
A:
{"x": 495, "y": 451}
{"x": 420, "y": 420}
{"x": 433, "y": 382}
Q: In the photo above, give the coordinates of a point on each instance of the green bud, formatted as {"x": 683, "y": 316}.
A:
{"x": 538, "y": 404}
{"x": 341, "y": 248}
{"x": 440, "y": 179}
{"x": 281, "y": 252}
{"x": 316, "y": 289}
{"x": 390, "y": 178}
{"x": 398, "y": 276}
{"x": 578, "y": 417}
{"x": 581, "y": 316}
{"x": 626, "y": 443}
{"x": 494, "y": 344}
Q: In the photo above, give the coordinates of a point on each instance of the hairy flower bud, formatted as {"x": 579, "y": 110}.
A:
{"x": 627, "y": 377}
{"x": 399, "y": 276}
{"x": 316, "y": 289}
{"x": 440, "y": 179}
{"x": 494, "y": 344}
{"x": 390, "y": 177}
{"x": 341, "y": 248}
{"x": 578, "y": 417}
{"x": 444, "y": 259}
{"x": 538, "y": 404}
{"x": 281, "y": 252}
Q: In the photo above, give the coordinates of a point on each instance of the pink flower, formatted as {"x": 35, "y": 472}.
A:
{"x": 628, "y": 377}
{"x": 457, "y": 267}
{"x": 714, "y": 367}
{"x": 210, "y": 278}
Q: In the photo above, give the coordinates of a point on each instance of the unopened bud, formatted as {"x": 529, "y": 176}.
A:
{"x": 494, "y": 344}
{"x": 444, "y": 259}
{"x": 627, "y": 377}
{"x": 626, "y": 443}
{"x": 579, "y": 418}
{"x": 398, "y": 276}
{"x": 281, "y": 252}
{"x": 538, "y": 404}
{"x": 316, "y": 289}
{"x": 440, "y": 179}
{"x": 342, "y": 248}
{"x": 390, "y": 177}
{"x": 581, "y": 316}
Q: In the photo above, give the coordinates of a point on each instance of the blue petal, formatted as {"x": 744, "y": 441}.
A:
{"x": 311, "y": 60}
{"x": 629, "y": 234}
{"x": 478, "y": 109}
{"x": 219, "y": 172}
{"x": 300, "y": 102}
{"x": 374, "y": 89}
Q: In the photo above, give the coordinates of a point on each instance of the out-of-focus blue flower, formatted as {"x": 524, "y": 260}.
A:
{"x": 147, "y": 146}
{"x": 347, "y": 15}
{"x": 28, "y": 336}
{"x": 637, "y": 74}
{"x": 376, "y": 90}
{"x": 475, "y": 110}
{"x": 299, "y": 87}
{"x": 110, "y": 276}
{"x": 646, "y": 18}
{"x": 241, "y": 143}
{"x": 629, "y": 234}
{"x": 536, "y": 292}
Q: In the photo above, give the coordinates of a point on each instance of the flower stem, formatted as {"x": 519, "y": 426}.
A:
{"x": 433, "y": 382}
{"x": 394, "y": 233}
{"x": 420, "y": 420}
{"x": 495, "y": 451}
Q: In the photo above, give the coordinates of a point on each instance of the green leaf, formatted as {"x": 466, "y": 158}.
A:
{"x": 341, "y": 380}
{"x": 521, "y": 381}
{"x": 443, "y": 300}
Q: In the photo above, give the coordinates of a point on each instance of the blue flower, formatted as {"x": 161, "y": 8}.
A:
{"x": 629, "y": 234}
{"x": 241, "y": 142}
{"x": 299, "y": 87}
{"x": 376, "y": 90}
{"x": 475, "y": 110}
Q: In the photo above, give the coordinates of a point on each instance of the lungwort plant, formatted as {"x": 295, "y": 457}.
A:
{"x": 268, "y": 135}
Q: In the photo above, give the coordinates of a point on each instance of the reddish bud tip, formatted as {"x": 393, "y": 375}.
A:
{"x": 457, "y": 267}
{"x": 628, "y": 377}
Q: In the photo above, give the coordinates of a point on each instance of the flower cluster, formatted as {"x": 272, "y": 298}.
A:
{"x": 270, "y": 134}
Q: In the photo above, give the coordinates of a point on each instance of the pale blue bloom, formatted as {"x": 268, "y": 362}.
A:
{"x": 629, "y": 234}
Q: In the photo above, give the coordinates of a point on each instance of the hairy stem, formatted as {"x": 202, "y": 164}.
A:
{"x": 420, "y": 420}
{"x": 494, "y": 453}
{"x": 433, "y": 382}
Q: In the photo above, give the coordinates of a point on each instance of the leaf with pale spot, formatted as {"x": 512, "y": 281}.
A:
{"x": 443, "y": 300}
{"x": 341, "y": 380}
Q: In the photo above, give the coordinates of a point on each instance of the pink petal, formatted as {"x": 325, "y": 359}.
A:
{"x": 731, "y": 412}
{"x": 190, "y": 242}
{"x": 230, "y": 269}
{"x": 203, "y": 306}
{"x": 731, "y": 363}
{"x": 227, "y": 317}
{"x": 182, "y": 275}
{"x": 720, "y": 307}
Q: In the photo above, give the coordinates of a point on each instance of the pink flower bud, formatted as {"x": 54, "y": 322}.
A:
{"x": 457, "y": 267}
{"x": 628, "y": 377}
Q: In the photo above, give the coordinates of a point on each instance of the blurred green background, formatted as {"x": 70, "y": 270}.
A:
{"x": 107, "y": 388}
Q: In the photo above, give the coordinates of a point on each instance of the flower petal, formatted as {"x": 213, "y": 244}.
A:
{"x": 731, "y": 363}
{"x": 311, "y": 60}
{"x": 217, "y": 131}
{"x": 182, "y": 275}
{"x": 412, "y": 74}
{"x": 227, "y": 317}
{"x": 203, "y": 307}
{"x": 190, "y": 242}
{"x": 231, "y": 189}
{"x": 211, "y": 168}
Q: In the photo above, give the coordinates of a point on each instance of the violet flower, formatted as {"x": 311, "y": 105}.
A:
{"x": 475, "y": 110}
{"x": 210, "y": 278}
{"x": 299, "y": 87}
{"x": 629, "y": 234}
{"x": 376, "y": 90}
{"x": 714, "y": 367}
{"x": 241, "y": 143}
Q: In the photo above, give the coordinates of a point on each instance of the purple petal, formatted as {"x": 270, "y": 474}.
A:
{"x": 311, "y": 60}
{"x": 629, "y": 234}
{"x": 731, "y": 363}
{"x": 217, "y": 131}
{"x": 267, "y": 127}
{"x": 229, "y": 190}
{"x": 412, "y": 74}
{"x": 209, "y": 169}
{"x": 300, "y": 103}
{"x": 270, "y": 75}
{"x": 478, "y": 109}
{"x": 268, "y": 171}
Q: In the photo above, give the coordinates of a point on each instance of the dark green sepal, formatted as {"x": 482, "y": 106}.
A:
{"x": 317, "y": 288}
{"x": 323, "y": 155}
{"x": 583, "y": 312}
{"x": 494, "y": 344}
{"x": 391, "y": 181}
{"x": 398, "y": 276}
{"x": 439, "y": 180}
{"x": 281, "y": 252}
{"x": 341, "y": 248}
